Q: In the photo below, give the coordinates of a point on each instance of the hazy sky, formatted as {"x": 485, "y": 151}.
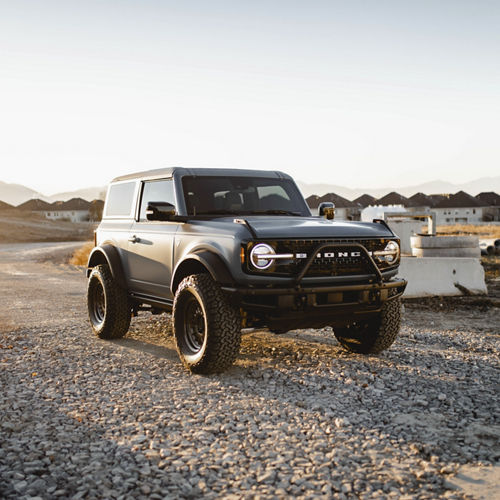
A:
{"x": 357, "y": 93}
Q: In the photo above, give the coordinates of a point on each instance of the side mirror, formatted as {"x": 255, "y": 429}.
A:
{"x": 327, "y": 209}
{"x": 160, "y": 210}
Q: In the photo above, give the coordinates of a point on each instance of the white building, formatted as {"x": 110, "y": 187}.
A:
{"x": 75, "y": 210}
{"x": 72, "y": 215}
{"x": 460, "y": 208}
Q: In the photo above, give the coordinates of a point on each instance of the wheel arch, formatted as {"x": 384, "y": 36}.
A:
{"x": 107, "y": 254}
{"x": 198, "y": 262}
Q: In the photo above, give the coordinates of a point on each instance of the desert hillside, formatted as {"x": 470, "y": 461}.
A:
{"x": 19, "y": 227}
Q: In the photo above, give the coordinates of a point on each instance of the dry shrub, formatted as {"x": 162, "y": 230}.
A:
{"x": 483, "y": 231}
{"x": 80, "y": 256}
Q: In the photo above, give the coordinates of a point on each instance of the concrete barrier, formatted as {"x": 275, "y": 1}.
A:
{"x": 445, "y": 246}
{"x": 424, "y": 241}
{"x": 447, "y": 252}
{"x": 428, "y": 276}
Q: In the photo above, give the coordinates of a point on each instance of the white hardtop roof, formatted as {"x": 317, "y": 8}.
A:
{"x": 227, "y": 172}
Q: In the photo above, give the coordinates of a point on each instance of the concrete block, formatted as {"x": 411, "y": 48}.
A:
{"x": 447, "y": 252}
{"x": 429, "y": 276}
{"x": 444, "y": 241}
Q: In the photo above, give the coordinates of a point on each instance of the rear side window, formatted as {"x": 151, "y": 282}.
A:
{"x": 156, "y": 191}
{"x": 120, "y": 199}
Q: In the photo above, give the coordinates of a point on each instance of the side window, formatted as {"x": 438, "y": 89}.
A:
{"x": 120, "y": 198}
{"x": 156, "y": 191}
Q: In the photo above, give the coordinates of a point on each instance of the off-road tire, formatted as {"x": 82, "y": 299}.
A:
{"x": 374, "y": 335}
{"x": 108, "y": 306}
{"x": 207, "y": 329}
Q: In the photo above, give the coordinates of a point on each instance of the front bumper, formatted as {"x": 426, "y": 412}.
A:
{"x": 380, "y": 289}
{"x": 313, "y": 307}
{"x": 373, "y": 294}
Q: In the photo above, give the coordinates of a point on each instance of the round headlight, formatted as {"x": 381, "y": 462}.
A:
{"x": 258, "y": 253}
{"x": 391, "y": 252}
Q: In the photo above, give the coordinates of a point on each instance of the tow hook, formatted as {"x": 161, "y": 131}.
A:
{"x": 300, "y": 301}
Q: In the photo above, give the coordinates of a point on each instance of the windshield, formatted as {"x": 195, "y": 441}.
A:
{"x": 211, "y": 195}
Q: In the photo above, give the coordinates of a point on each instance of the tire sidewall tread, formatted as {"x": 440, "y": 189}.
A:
{"x": 223, "y": 325}
{"x": 117, "y": 310}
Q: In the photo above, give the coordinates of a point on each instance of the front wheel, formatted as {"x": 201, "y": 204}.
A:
{"x": 375, "y": 334}
{"x": 207, "y": 329}
{"x": 108, "y": 305}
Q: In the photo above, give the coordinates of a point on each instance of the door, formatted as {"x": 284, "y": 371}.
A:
{"x": 151, "y": 244}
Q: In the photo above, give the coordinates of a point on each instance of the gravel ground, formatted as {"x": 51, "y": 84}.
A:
{"x": 296, "y": 416}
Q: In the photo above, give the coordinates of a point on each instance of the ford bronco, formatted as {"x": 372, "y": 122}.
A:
{"x": 227, "y": 249}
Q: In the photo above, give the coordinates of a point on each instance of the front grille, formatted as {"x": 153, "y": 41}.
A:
{"x": 323, "y": 265}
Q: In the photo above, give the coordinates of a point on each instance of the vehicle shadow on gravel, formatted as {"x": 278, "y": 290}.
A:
{"x": 427, "y": 385}
{"x": 160, "y": 351}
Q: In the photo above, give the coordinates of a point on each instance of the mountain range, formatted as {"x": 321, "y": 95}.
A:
{"x": 15, "y": 194}
{"x": 434, "y": 187}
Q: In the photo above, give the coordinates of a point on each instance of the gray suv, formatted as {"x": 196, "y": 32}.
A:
{"x": 226, "y": 249}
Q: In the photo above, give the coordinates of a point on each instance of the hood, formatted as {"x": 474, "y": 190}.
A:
{"x": 270, "y": 227}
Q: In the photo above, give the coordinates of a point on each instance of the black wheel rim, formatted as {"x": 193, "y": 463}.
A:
{"x": 194, "y": 326}
{"x": 97, "y": 304}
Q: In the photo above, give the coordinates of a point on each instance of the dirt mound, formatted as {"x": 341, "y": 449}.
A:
{"x": 24, "y": 227}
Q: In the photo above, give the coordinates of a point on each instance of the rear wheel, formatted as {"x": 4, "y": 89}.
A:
{"x": 374, "y": 335}
{"x": 108, "y": 305}
{"x": 207, "y": 329}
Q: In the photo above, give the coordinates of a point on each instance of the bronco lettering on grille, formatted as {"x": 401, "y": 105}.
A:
{"x": 331, "y": 255}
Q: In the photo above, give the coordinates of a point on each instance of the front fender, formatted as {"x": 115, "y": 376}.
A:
{"x": 107, "y": 254}
{"x": 214, "y": 264}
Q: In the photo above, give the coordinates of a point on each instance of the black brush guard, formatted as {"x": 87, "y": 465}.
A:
{"x": 349, "y": 298}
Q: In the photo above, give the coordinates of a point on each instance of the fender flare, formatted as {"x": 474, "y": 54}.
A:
{"x": 214, "y": 264}
{"x": 107, "y": 254}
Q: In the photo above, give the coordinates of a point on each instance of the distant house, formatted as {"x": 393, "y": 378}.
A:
{"x": 437, "y": 198}
{"x": 312, "y": 201}
{"x": 393, "y": 198}
{"x": 75, "y": 210}
{"x": 344, "y": 209}
{"x": 490, "y": 202}
{"x": 365, "y": 200}
{"x": 34, "y": 205}
{"x": 459, "y": 208}
{"x": 420, "y": 202}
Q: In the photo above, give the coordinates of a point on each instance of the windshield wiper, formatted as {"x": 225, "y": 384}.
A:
{"x": 274, "y": 212}
{"x": 218, "y": 212}
{"x": 247, "y": 212}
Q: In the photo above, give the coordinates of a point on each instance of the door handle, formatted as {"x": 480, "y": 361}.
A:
{"x": 134, "y": 239}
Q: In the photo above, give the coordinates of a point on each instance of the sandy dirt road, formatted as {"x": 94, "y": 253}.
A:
{"x": 296, "y": 415}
